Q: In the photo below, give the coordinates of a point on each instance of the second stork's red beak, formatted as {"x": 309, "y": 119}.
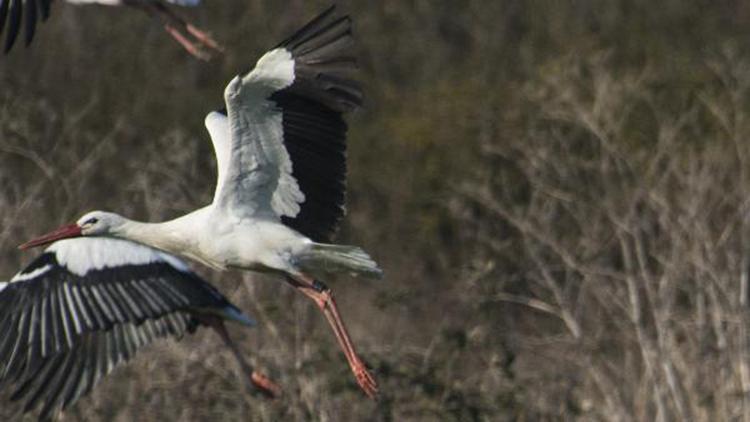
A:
{"x": 64, "y": 232}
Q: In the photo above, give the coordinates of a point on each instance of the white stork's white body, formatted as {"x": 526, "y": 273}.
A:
{"x": 215, "y": 239}
{"x": 280, "y": 150}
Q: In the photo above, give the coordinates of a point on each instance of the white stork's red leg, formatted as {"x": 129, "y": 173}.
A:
{"x": 258, "y": 381}
{"x": 323, "y": 297}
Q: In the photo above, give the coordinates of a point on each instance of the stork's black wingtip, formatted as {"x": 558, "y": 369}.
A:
{"x": 314, "y": 25}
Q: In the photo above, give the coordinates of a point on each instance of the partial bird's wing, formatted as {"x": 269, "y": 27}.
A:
{"x": 87, "y": 305}
{"x": 14, "y": 12}
{"x": 281, "y": 147}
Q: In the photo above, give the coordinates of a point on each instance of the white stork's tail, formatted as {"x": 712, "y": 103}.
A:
{"x": 323, "y": 258}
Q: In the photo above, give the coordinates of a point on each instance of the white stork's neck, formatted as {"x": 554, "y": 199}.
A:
{"x": 167, "y": 236}
{"x": 181, "y": 236}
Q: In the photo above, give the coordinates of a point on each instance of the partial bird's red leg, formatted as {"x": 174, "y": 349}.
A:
{"x": 322, "y": 296}
{"x": 176, "y": 19}
{"x": 204, "y": 38}
{"x": 172, "y": 24}
{"x": 189, "y": 46}
{"x": 258, "y": 381}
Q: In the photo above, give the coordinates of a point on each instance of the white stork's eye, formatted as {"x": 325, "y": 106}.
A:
{"x": 91, "y": 221}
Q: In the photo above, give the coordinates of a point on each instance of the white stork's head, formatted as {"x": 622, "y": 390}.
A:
{"x": 94, "y": 223}
{"x": 99, "y": 223}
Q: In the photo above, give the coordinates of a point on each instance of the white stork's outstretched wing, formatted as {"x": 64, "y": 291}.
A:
{"x": 14, "y": 12}
{"x": 86, "y": 306}
{"x": 281, "y": 151}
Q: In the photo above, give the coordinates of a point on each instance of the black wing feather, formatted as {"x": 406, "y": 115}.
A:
{"x": 30, "y": 20}
{"x": 14, "y": 23}
{"x": 314, "y": 129}
{"x": 44, "y": 6}
{"x": 3, "y": 13}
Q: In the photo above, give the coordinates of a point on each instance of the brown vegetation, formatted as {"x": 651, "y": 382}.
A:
{"x": 557, "y": 191}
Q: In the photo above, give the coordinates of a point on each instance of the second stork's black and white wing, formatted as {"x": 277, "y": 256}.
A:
{"x": 88, "y": 305}
{"x": 281, "y": 145}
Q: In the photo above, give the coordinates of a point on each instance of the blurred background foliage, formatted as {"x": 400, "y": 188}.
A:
{"x": 557, "y": 191}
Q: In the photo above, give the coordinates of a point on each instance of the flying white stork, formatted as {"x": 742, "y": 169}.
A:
{"x": 280, "y": 148}
{"x": 87, "y": 305}
{"x": 13, "y": 12}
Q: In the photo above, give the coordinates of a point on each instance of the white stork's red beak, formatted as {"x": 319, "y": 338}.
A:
{"x": 64, "y": 232}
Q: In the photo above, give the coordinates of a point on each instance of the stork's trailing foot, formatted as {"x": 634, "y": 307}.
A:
{"x": 364, "y": 378}
{"x": 258, "y": 383}
{"x": 265, "y": 385}
{"x": 323, "y": 297}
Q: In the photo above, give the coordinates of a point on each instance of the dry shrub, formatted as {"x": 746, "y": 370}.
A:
{"x": 616, "y": 217}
